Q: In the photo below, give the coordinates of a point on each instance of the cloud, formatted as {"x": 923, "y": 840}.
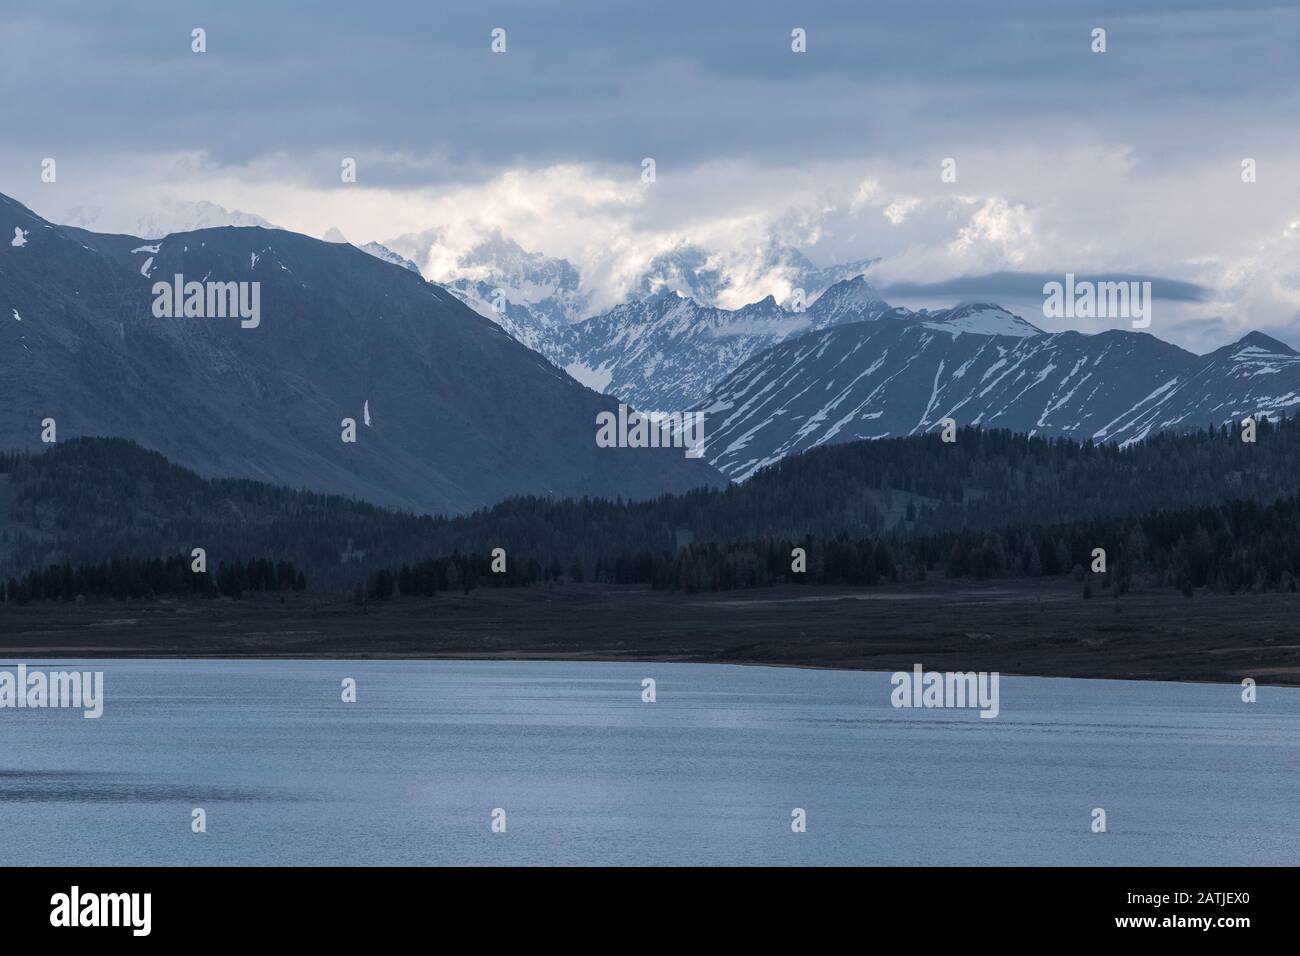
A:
{"x": 1122, "y": 163}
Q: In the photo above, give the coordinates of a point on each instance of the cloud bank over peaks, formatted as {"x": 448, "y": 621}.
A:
{"x": 166, "y": 217}
{"x": 730, "y": 233}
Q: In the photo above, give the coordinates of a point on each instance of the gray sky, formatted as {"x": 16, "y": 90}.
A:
{"x": 1127, "y": 162}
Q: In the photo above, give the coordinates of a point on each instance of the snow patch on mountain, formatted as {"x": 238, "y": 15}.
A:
{"x": 380, "y": 251}
{"x": 597, "y": 379}
{"x": 982, "y": 319}
{"x": 873, "y": 379}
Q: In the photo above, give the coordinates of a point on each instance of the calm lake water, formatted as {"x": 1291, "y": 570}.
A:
{"x": 589, "y": 774}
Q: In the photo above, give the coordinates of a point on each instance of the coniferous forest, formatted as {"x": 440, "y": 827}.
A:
{"x": 1240, "y": 546}
{"x": 124, "y": 578}
{"x": 107, "y": 518}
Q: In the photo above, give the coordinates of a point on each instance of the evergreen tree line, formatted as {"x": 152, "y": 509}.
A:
{"x": 87, "y": 501}
{"x": 1236, "y": 547}
{"x": 460, "y": 572}
{"x": 134, "y": 578}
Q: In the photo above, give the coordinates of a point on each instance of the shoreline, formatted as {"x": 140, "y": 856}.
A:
{"x": 1036, "y": 628}
{"x": 37, "y": 660}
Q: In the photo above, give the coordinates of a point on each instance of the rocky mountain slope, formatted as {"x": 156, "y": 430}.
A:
{"x": 451, "y": 413}
{"x": 980, "y": 365}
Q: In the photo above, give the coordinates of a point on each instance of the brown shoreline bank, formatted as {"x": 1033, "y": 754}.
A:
{"x": 1041, "y": 628}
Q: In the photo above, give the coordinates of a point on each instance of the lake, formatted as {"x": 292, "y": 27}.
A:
{"x": 587, "y": 773}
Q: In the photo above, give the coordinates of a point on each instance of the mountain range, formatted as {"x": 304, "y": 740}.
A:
{"x": 543, "y": 302}
{"x": 668, "y": 352}
{"x": 451, "y": 414}
{"x": 669, "y": 343}
{"x": 904, "y": 373}
{"x": 772, "y": 378}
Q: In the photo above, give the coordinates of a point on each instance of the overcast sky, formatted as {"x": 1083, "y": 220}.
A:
{"x": 1126, "y": 162}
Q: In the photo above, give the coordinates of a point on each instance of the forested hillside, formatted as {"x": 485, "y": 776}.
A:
{"x": 90, "y": 500}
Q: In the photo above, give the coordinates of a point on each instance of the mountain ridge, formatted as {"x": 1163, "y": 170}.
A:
{"x": 463, "y": 414}
{"x": 882, "y": 379}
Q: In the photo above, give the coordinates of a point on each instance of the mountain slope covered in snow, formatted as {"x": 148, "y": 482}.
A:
{"x": 979, "y": 365}
{"x": 667, "y": 352}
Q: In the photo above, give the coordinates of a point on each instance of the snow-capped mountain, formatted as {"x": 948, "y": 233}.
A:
{"x": 529, "y": 294}
{"x": 978, "y": 318}
{"x": 1256, "y": 375}
{"x": 170, "y": 216}
{"x": 690, "y": 271}
{"x": 450, "y": 413}
{"x": 980, "y": 365}
{"x": 709, "y": 277}
{"x": 335, "y": 235}
{"x": 659, "y": 350}
{"x": 851, "y": 299}
{"x": 380, "y": 251}
{"x": 536, "y": 324}
{"x": 534, "y": 296}
{"x": 667, "y": 352}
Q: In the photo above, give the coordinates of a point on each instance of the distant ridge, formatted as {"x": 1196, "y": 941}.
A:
{"x": 979, "y": 365}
